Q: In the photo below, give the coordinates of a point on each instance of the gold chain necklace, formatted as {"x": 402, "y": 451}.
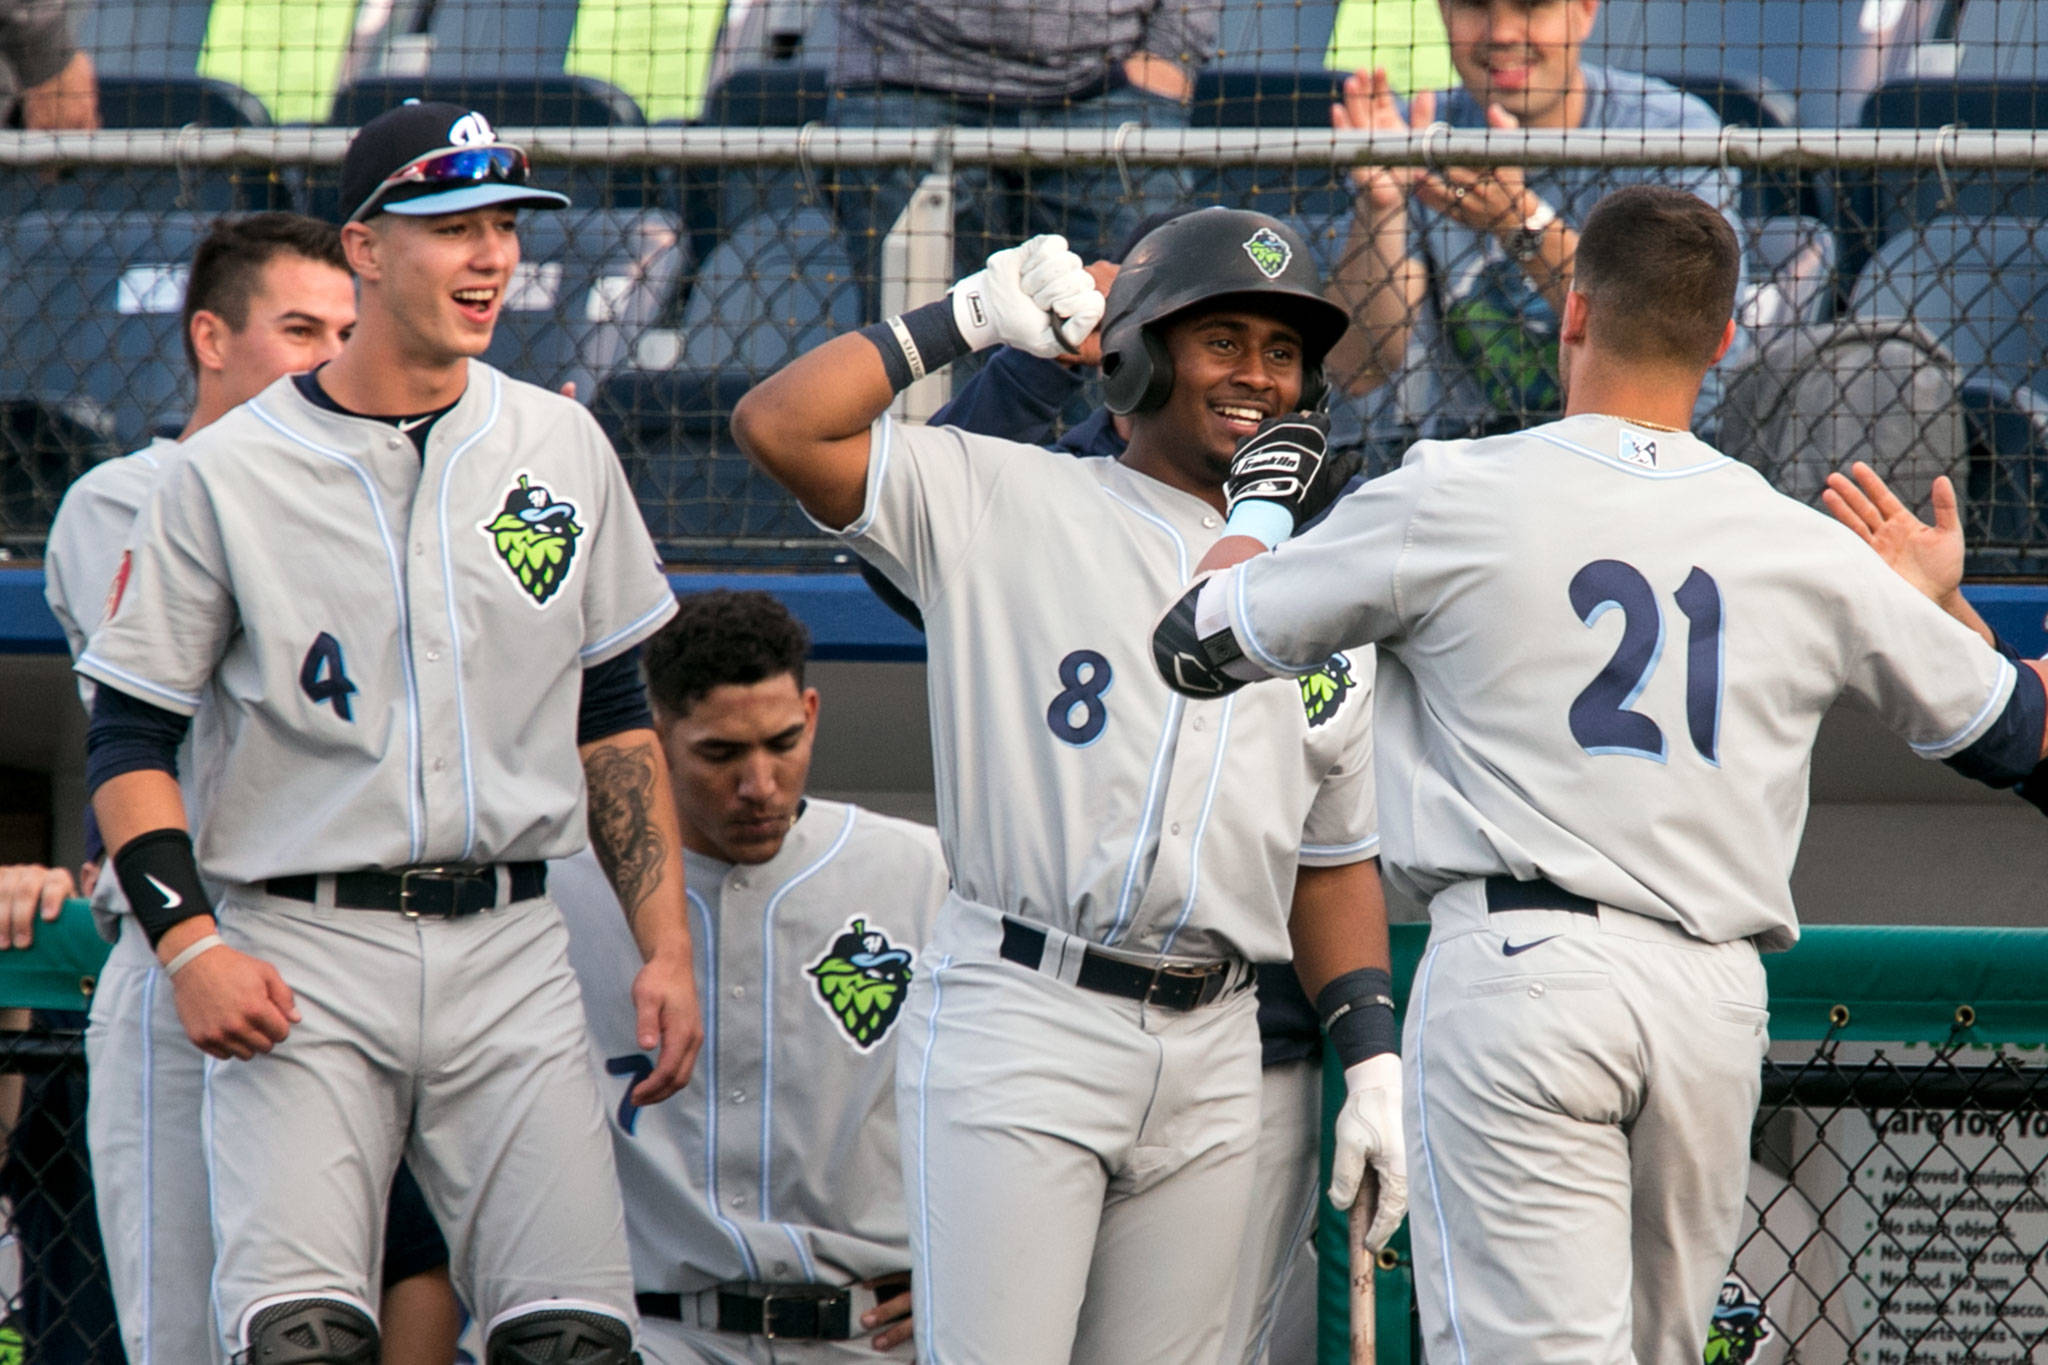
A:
{"x": 1636, "y": 422}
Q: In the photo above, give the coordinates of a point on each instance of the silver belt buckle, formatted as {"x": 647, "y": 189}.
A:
{"x": 449, "y": 875}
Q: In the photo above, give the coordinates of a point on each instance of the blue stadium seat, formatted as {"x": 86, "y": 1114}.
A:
{"x": 158, "y": 101}
{"x": 1260, "y": 33}
{"x": 1243, "y": 97}
{"x": 89, "y": 304}
{"x": 515, "y": 99}
{"x": 718, "y": 198}
{"x": 590, "y": 282}
{"x": 1791, "y": 270}
{"x": 143, "y": 37}
{"x": 527, "y": 36}
{"x": 2002, "y": 40}
{"x": 1978, "y": 285}
{"x": 2007, "y": 501}
{"x": 1878, "y": 206}
{"x": 43, "y": 447}
{"x": 775, "y": 287}
{"x": 1756, "y": 103}
{"x": 703, "y": 500}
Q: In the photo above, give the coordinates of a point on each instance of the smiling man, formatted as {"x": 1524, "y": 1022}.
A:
{"x": 1456, "y": 278}
{"x": 1078, "y": 1071}
{"x": 765, "y": 1206}
{"x": 418, "y": 630}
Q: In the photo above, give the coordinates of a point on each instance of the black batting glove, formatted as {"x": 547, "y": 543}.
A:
{"x": 1287, "y": 462}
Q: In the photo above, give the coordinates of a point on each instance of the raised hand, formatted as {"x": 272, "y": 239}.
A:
{"x": 1369, "y": 106}
{"x": 1928, "y": 557}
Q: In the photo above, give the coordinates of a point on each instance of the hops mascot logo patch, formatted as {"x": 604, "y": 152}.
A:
{"x": 1269, "y": 252}
{"x": 861, "y": 980}
{"x": 1738, "y": 1326}
{"x": 535, "y": 537}
{"x": 1324, "y": 690}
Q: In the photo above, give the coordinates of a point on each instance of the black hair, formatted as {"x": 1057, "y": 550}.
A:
{"x": 721, "y": 638}
{"x": 235, "y": 251}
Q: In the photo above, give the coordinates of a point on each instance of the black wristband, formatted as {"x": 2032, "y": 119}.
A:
{"x": 917, "y": 343}
{"x": 1357, "y": 1010}
{"x": 160, "y": 876}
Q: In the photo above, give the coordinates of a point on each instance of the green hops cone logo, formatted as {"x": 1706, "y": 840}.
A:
{"x": 535, "y": 537}
{"x": 861, "y": 980}
{"x": 1269, "y": 252}
{"x": 1739, "y": 1325}
{"x": 1324, "y": 690}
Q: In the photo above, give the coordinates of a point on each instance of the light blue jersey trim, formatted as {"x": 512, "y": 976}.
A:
{"x": 1187, "y": 908}
{"x": 147, "y": 1309}
{"x": 455, "y": 624}
{"x": 415, "y": 779}
{"x": 768, "y": 1000}
{"x": 1436, "y": 1198}
{"x": 707, "y": 1068}
{"x": 1155, "y": 788}
{"x": 639, "y": 624}
{"x": 212, "y": 1186}
{"x": 1366, "y": 845}
{"x": 878, "y": 469}
{"x": 1624, "y": 467}
{"x": 2001, "y": 693}
{"x": 188, "y": 701}
{"x": 930, "y": 1299}
{"x": 1241, "y": 622}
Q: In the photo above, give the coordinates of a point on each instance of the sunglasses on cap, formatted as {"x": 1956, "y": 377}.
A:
{"x": 448, "y": 169}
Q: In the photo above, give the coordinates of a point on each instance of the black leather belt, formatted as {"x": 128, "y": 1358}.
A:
{"x": 1541, "y": 893}
{"x": 1182, "y": 987}
{"x": 446, "y": 890}
{"x": 805, "y": 1312}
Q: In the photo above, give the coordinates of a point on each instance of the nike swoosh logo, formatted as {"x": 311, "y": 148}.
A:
{"x": 172, "y": 900}
{"x": 407, "y": 424}
{"x": 1510, "y": 949}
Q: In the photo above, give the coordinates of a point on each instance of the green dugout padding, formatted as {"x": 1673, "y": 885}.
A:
{"x": 1891, "y": 984}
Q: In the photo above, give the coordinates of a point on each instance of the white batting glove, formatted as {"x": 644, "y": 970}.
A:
{"x": 1369, "y": 1133}
{"x": 1035, "y": 297}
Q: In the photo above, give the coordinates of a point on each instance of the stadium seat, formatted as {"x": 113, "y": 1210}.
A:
{"x": 158, "y": 101}
{"x": 1791, "y": 271}
{"x": 2007, "y": 500}
{"x": 1238, "y": 97}
{"x": 589, "y": 283}
{"x": 89, "y": 304}
{"x": 1259, "y": 33}
{"x": 1878, "y": 206}
{"x": 43, "y": 447}
{"x": 775, "y": 287}
{"x": 1741, "y": 102}
{"x": 526, "y": 36}
{"x": 143, "y": 37}
{"x": 1826, "y": 56}
{"x": 1978, "y": 285}
{"x": 515, "y": 99}
{"x": 2002, "y": 40}
{"x": 704, "y": 501}
{"x": 718, "y": 198}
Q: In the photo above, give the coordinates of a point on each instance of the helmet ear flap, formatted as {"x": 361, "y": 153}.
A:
{"x": 1137, "y": 378}
{"x": 1158, "y": 373}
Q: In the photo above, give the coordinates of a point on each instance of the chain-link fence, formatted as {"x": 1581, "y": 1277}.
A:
{"x": 752, "y": 178}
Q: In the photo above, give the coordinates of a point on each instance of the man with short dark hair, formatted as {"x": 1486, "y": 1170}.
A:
{"x": 419, "y": 629}
{"x": 1605, "y": 651}
{"x": 764, "y": 1207}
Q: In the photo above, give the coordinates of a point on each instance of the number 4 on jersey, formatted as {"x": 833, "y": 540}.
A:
{"x": 1601, "y": 720}
{"x": 324, "y": 677}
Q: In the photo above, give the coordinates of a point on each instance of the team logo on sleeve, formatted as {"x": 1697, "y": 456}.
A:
{"x": 1324, "y": 690}
{"x": 861, "y": 980}
{"x": 1738, "y": 1326}
{"x": 119, "y": 587}
{"x": 535, "y": 536}
{"x": 1269, "y": 252}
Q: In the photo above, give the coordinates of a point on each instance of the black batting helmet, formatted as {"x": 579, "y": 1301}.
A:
{"x": 1207, "y": 257}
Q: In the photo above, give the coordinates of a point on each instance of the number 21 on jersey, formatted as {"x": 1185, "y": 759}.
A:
{"x": 1601, "y": 719}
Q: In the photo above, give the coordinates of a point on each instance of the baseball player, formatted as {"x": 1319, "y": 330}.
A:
{"x": 1606, "y": 650}
{"x": 765, "y": 1206}
{"x": 267, "y": 295}
{"x": 1078, "y": 1067}
{"x": 411, "y": 626}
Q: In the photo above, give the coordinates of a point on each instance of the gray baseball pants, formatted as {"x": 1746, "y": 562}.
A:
{"x": 1283, "y": 1204}
{"x": 1579, "y": 1095}
{"x": 1077, "y": 1167}
{"x": 457, "y": 1044}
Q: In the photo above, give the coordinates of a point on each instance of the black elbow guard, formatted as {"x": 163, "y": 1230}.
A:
{"x": 2008, "y": 753}
{"x": 1190, "y": 664}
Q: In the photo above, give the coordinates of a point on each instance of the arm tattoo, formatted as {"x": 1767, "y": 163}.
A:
{"x": 621, "y": 781}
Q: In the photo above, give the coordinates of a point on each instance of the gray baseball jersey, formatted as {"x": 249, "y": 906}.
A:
{"x": 777, "y": 1163}
{"x": 398, "y": 649}
{"x": 86, "y": 538}
{"x": 1074, "y": 788}
{"x": 1605, "y": 651}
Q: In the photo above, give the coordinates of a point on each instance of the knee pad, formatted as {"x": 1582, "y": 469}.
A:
{"x": 311, "y": 1332}
{"x": 582, "y": 1335}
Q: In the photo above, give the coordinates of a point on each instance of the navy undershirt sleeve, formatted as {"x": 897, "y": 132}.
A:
{"x": 614, "y": 700}
{"x": 2009, "y": 752}
{"x": 127, "y": 735}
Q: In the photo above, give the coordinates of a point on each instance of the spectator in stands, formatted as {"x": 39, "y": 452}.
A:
{"x": 44, "y": 74}
{"x": 1032, "y": 64}
{"x": 1456, "y": 277}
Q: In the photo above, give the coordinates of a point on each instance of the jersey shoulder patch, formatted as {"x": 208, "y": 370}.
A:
{"x": 535, "y": 535}
{"x": 1324, "y": 691}
{"x": 860, "y": 981}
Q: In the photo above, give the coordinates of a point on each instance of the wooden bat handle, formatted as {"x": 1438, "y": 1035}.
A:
{"x": 1364, "y": 1310}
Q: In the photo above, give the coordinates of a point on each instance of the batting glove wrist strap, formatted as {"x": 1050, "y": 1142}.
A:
{"x": 1357, "y": 1010}
{"x": 160, "y": 877}
{"x": 1284, "y": 464}
{"x": 917, "y": 343}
